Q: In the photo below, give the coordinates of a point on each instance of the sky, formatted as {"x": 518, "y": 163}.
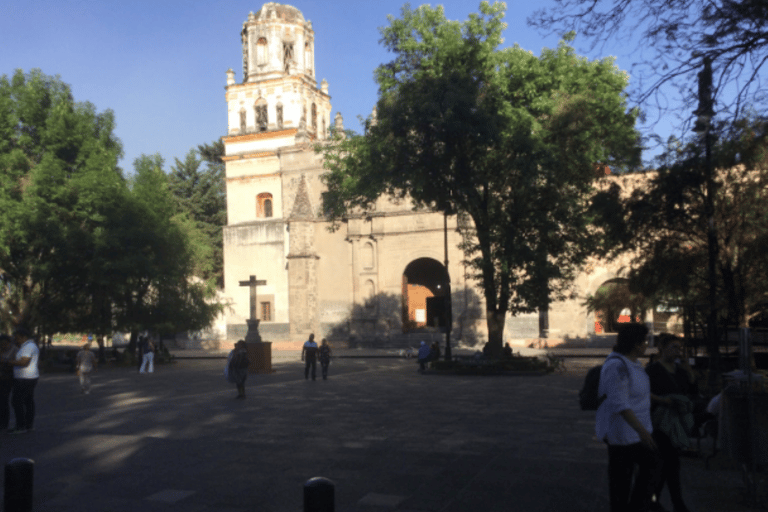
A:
{"x": 161, "y": 65}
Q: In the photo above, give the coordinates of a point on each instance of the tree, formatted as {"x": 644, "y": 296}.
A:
{"x": 81, "y": 249}
{"x": 612, "y": 298}
{"x": 734, "y": 33}
{"x": 58, "y": 180}
{"x": 510, "y": 141}
{"x": 667, "y": 227}
{"x": 201, "y": 194}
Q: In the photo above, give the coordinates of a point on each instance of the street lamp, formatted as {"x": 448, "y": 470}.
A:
{"x": 703, "y": 125}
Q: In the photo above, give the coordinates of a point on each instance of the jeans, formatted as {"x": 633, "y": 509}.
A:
{"x": 24, "y": 402}
{"x": 148, "y": 363}
{"x": 309, "y": 362}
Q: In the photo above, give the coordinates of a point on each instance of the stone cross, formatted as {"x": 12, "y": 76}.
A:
{"x": 253, "y": 283}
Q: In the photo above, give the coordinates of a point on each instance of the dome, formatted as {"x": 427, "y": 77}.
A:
{"x": 282, "y": 12}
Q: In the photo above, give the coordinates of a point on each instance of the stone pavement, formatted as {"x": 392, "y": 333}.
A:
{"x": 390, "y": 439}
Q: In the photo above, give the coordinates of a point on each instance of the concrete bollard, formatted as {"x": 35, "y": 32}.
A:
{"x": 18, "y": 485}
{"x": 318, "y": 495}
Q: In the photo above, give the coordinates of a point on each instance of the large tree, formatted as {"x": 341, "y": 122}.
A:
{"x": 81, "y": 248}
{"x": 511, "y": 141}
{"x": 58, "y": 183}
{"x": 669, "y": 38}
{"x": 198, "y": 184}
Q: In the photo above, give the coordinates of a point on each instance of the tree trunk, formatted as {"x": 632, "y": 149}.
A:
{"x": 495, "y": 322}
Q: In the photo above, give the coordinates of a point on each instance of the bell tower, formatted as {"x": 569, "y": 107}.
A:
{"x": 279, "y": 89}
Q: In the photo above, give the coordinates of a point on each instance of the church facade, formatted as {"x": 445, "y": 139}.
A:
{"x": 374, "y": 278}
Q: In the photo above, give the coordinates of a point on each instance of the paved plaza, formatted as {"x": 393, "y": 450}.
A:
{"x": 390, "y": 439}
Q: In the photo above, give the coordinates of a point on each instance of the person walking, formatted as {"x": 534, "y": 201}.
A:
{"x": 309, "y": 356}
{"x": 237, "y": 367}
{"x": 423, "y": 356}
{"x": 623, "y": 422}
{"x": 325, "y": 357}
{"x": 148, "y": 362}
{"x": 86, "y": 363}
{"x": 672, "y": 384}
{"x": 25, "y": 377}
{"x": 7, "y": 354}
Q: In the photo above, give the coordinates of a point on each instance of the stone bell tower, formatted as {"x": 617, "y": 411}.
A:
{"x": 274, "y": 117}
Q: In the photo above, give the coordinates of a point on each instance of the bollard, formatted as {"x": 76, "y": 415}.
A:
{"x": 318, "y": 495}
{"x": 18, "y": 485}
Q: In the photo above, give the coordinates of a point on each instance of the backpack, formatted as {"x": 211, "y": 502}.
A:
{"x": 588, "y": 396}
{"x": 239, "y": 360}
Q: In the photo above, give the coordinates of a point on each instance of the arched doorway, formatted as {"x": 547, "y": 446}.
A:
{"x": 614, "y": 303}
{"x": 425, "y": 295}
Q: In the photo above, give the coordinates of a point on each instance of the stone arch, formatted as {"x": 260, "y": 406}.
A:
{"x": 617, "y": 305}
{"x": 369, "y": 294}
{"x": 425, "y": 295}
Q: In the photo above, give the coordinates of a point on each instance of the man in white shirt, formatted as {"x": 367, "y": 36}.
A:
{"x": 623, "y": 421}
{"x": 25, "y": 375}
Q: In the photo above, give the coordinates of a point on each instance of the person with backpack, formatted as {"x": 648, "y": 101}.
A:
{"x": 236, "y": 369}
{"x": 623, "y": 422}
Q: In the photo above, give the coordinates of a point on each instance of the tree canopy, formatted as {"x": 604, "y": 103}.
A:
{"x": 81, "y": 248}
{"x": 508, "y": 140}
{"x": 670, "y": 37}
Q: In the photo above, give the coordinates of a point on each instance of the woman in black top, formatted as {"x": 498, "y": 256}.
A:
{"x": 670, "y": 375}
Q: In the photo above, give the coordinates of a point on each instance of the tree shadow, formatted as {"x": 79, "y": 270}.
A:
{"x": 379, "y": 323}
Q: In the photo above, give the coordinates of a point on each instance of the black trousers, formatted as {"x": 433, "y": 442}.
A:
{"x": 23, "y": 401}
{"x": 324, "y": 368}
{"x": 6, "y": 385}
{"x": 670, "y": 470}
{"x": 309, "y": 362}
{"x": 628, "y": 495}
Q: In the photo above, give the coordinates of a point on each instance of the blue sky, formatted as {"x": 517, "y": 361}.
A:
{"x": 161, "y": 65}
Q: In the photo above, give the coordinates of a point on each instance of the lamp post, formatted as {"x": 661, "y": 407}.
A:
{"x": 702, "y": 127}
{"x": 448, "y": 303}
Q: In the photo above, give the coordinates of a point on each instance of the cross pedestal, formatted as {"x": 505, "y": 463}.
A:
{"x": 259, "y": 352}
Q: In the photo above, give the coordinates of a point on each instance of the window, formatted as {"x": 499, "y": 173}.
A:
{"x": 262, "y": 120}
{"x": 368, "y": 256}
{"x": 264, "y": 205}
{"x": 242, "y": 121}
{"x": 279, "y": 109}
{"x": 266, "y": 312}
{"x": 314, "y": 119}
{"x": 261, "y": 51}
{"x": 287, "y": 56}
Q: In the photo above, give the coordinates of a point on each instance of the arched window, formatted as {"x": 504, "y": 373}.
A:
{"x": 368, "y": 256}
{"x": 264, "y": 205}
{"x": 262, "y": 121}
{"x": 308, "y": 67}
{"x": 242, "y": 121}
{"x": 279, "y": 111}
{"x": 261, "y": 51}
{"x": 314, "y": 119}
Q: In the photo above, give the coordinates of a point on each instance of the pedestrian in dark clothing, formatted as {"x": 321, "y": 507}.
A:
{"x": 423, "y": 356}
{"x": 309, "y": 356}
{"x": 671, "y": 382}
{"x": 237, "y": 367}
{"x": 325, "y": 357}
{"x": 7, "y": 354}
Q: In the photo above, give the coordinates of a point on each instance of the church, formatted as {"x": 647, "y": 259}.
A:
{"x": 375, "y": 279}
